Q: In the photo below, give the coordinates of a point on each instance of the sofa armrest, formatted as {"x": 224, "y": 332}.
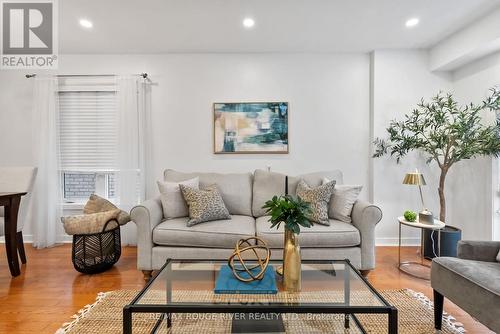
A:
{"x": 146, "y": 216}
{"x": 365, "y": 217}
{"x": 478, "y": 250}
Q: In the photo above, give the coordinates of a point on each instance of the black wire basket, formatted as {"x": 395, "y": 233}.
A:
{"x": 97, "y": 252}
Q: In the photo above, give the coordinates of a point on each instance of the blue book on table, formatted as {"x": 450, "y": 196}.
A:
{"x": 228, "y": 283}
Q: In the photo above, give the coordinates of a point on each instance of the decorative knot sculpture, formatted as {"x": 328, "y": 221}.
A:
{"x": 244, "y": 246}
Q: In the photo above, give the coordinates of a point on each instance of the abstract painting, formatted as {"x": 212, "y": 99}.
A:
{"x": 260, "y": 127}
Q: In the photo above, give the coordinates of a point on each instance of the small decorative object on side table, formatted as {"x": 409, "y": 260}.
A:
{"x": 404, "y": 266}
{"x": 417, "y": 179}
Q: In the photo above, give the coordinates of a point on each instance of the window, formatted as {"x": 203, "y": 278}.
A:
{"x": 88, "y": 138}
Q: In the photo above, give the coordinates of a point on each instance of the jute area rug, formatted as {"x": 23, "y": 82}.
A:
{"x": 415, "y": 313}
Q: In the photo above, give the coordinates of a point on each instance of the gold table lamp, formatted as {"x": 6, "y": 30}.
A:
{"x": 417, "y": 179}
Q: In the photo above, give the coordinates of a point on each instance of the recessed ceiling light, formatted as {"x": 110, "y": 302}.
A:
{"x": 248, "y": 22}
{"x": 86, "y": 23}
{"x": 412, "y": 22}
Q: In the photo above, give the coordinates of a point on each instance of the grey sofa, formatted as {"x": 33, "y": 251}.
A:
{"x": 472, "y": 281}
{"x": 244, "y": 194}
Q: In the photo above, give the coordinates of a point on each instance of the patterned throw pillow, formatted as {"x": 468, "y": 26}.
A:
{"x": 319, "y": 198}
{"x": 204, "y": 204}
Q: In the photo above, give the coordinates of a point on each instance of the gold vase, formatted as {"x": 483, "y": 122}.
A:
{"x": 291, "y": 262}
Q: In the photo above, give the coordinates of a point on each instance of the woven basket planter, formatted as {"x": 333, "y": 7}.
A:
{"x": 95, "y": 253}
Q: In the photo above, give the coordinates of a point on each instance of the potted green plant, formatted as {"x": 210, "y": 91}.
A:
{"x": 446, "y": 132}
{"x": 293, "y": 213}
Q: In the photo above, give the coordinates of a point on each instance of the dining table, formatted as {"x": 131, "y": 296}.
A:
{"x": 13, "y": 243}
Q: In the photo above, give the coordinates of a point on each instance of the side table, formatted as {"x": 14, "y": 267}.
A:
{"x": 405, "y": 266}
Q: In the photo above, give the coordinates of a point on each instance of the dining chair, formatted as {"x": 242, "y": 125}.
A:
{"x": 17, "y": 179}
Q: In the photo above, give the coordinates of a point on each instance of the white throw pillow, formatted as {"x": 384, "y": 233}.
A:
{"x": 172, "y": 201}
{"x": 342, "y": 201}
{"x": 498, "y": 256}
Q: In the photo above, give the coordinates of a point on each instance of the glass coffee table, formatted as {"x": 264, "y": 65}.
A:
{"x": 183, "y": 289}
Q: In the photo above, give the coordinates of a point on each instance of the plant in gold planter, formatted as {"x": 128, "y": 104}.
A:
{"x": 293, "y": 213}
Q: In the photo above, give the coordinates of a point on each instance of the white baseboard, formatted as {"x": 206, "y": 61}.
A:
{"x": 395, "y": 241}
{"x": 28, "y": 238}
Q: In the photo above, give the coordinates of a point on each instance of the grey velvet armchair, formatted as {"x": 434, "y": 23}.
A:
{"x": 472, "y": 281}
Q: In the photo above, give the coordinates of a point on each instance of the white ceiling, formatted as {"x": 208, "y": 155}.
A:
{"x": 161, "y": 26}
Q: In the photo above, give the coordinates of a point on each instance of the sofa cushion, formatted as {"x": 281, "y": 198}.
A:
{"x": 236, "y": 189}
{"x": 267, "y": 184}
{"x": 215, "y": 234}
{"x": 338, "y": 234}
{"x": 316, "y": 179}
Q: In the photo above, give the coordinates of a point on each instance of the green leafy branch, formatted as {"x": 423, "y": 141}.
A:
{"x": 292, "y": 212}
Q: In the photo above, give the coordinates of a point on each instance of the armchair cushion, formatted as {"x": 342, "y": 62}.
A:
{"x": 484, "y": 274}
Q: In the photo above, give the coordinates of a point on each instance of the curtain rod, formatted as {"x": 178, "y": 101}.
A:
{"x": 144, "y": 75}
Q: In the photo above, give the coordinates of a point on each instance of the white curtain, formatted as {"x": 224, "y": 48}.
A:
{"x": 46, "y": 196}
{"x": 133, "y": 94}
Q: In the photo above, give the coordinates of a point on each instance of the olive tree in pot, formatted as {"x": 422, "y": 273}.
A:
{"x": 446, "y": 132}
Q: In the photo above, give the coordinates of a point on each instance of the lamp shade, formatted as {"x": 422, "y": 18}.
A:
{"x": 416, "y": 179}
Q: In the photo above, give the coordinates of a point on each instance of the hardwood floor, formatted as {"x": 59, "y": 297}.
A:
{"x": 49, "y": 291}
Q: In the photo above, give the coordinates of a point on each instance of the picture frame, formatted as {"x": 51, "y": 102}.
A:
{"x": 251, "y": 127}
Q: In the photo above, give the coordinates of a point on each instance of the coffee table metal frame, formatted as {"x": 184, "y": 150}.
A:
{"x": 349, "y": 311}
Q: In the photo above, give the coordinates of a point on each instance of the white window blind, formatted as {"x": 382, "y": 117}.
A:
{"x": 88, "y": 130}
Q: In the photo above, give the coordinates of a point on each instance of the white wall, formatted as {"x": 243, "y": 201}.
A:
{"x": 328, "y": 96}
{"x": 400, "y": 79}
{"x": 331, "y": 112}
{"x": 478, "y": 218}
